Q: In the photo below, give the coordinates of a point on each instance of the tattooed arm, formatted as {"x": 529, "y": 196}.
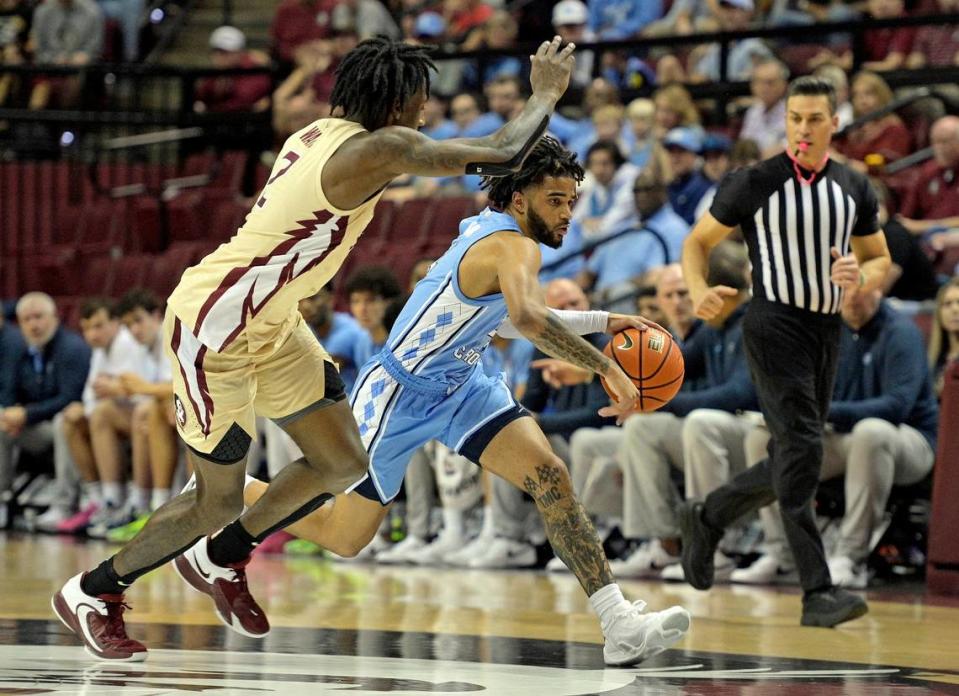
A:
{"x": 518, "y": 269}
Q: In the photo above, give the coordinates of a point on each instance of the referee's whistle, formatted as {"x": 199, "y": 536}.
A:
{"x": 803, "y": 146}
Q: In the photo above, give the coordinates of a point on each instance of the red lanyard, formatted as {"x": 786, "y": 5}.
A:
{"x": 798, "y": 170}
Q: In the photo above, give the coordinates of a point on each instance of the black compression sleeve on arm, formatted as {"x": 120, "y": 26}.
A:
{"x": 504, "y": 168}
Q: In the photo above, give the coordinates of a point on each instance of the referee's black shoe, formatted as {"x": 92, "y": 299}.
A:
{"x": 831, "y": 607}
{"x": 699, "y": 545}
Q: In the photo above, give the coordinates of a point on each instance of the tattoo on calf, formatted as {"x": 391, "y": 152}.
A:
{"x": 570, "y": 530}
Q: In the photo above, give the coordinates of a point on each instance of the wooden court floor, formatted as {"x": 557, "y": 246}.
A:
{"x": 366, "y": 629}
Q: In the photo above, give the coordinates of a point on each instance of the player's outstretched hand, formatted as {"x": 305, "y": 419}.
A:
{"x": 559, "y": 373}
{"x": 552, "y": 66}
{"x": 845, "y": 270}
{"x": 711, "y": 303}
{"x": 621, "y": 322}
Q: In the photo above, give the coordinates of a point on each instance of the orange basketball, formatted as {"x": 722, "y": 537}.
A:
{"x": 652, "y": 360}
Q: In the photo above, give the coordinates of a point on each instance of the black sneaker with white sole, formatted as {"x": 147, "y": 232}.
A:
{"x": 831, "y": 607}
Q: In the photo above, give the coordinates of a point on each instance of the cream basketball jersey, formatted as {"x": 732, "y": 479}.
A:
{"x": 290, "y": 245}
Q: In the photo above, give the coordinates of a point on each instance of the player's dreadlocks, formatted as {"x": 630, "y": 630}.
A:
{"x": 376, "y": 76}
{"x": 547, "y": 158}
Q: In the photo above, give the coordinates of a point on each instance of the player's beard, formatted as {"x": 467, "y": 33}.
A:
{"x": 541, "y": 231}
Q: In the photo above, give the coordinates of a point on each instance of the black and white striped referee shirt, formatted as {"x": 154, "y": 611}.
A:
{"x": 790, "y": 226}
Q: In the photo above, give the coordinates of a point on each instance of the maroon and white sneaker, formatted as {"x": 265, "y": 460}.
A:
{"x": 235, "y": 606}
{"x": 98, "y": 622}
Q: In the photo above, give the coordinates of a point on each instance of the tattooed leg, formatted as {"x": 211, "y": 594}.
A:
{"x": 521, "y": 455}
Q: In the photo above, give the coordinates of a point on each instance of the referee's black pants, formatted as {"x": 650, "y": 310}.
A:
{"x": 792, "y": 356}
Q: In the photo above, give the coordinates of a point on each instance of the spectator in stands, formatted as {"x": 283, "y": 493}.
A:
{"x": 571, "y": 23}
{"x": 339, "y": 333}
{"x": 933, "y": 202}
{"x": 233, "y": 92}
{"x": 884, "y": 417}
{"x": 886, "y": 136}
{"x": 765, "y": 119}
{"x": 673, "y": 300}
{"x": 744, "y": 153}
{"x": 468, "y": 115}
{"x": 15, "y": 19}
{"x": 688, "y": 184}
{"x": 497, "y": 33}
{"x": 686, "y": 16}
{"x": 295, "y": 23}
{"x": 640, "y": 113}
{"x": 11, "y": 343}
{"x": 297, "y": 102}
{"x": 369, "y": 17}
{"x": 64, "y": 32}
{"x": 614, "y": 266}
{"x": 370, "y": 290}
{"x": 95, "y": 424}
{"x": 837, "y": 76}
{"x": 608, "y": 123}
{"x": 503, "y": 94}
{"x": 38, "y": 382}
{"x": 944, "y": 338}
{"x": 607, "y": 173}
{"x": 674, "y": 108}
{"x": 435, "y": 123}
{"x": 936, "y": 45}
{"x": 716, "y": 164}
{"x": 153, "y": 439}
{"x": 698, "y": 431}
{"x": 911, "y": 275}
{"x": 734, "y": 15}
{"x": 599, "y": 93}
{"x": 464, "y": 15}
{"x": 130, "y": 15}
{"x": 647, "y": 305}
{"x": 614, "y": 20}
{"x": 885, "y": 49}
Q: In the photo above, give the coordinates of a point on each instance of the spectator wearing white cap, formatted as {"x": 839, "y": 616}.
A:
{"x": 233, "y": 92}
{"x": 571, "y": 23}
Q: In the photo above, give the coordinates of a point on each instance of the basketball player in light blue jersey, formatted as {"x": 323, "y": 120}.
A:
{"x": 427, "y": 383}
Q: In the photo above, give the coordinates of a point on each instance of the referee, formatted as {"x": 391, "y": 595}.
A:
{"x": 800, "y": 214}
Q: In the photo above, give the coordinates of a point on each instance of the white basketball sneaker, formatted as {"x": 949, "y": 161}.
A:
{"x": 634, "y": 635}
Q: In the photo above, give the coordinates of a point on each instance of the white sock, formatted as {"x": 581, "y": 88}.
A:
{"x": 453, "y": 521}
{"x": 159, "y": 497}
{"x": 607, "y": 602}
{"x": 488, "y": 529}
{"x": 112, "y": 493}
{"x": 140, "y": 499}
{"x": 92, "y": 492}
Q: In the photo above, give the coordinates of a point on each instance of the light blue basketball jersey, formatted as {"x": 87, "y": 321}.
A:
{"x": 441, "y": 333}
{"x": 428, "y": 382}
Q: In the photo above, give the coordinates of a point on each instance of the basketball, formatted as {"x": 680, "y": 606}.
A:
{"x": 652, "y": 360}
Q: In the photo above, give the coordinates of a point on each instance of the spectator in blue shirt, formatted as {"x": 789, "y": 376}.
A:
{"x": 41, "y": 378}
{"x": 498, "y": 32}
{"x": 607, "y": 173}
{"x": 884, "y": 420}
{"x": 689, "y": 184}
{"x": 734, "y": 15}
{"x": 370, "y": 291}
{"x": 337, "y": 331}
{"x": 612, "y": 20}
{"x": 614, "y": 266}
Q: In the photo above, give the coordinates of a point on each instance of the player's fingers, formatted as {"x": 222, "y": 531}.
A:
{"x": 726, "y": 291}
{"x": 553, "y": 47}
{"x": 567, "y": 51}
{"x": 541, "y": 51}
{"x": 834, "y": 252}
